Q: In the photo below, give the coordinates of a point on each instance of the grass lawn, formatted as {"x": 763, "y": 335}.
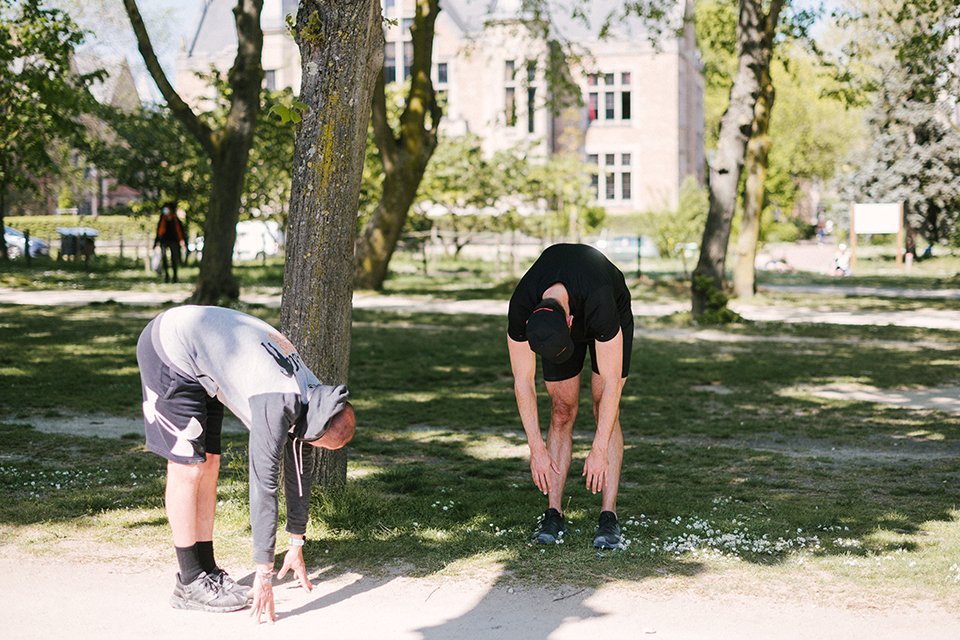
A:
{"x": 732, "y": 467}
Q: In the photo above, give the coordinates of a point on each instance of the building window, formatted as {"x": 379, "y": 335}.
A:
{"x": 407, "y": 26}
{"x": 531, "y": 108}
{"x": 270, "y": 80}
{"x": 614, "y": 90}
{"x": 442, "y": 73}
{"x": 510, "y": 93}
{"x": 531, "y": 71}
{"x": 614, "y": 172}
{"x": 389, "y": 4}
{"x": 389, "y": 63}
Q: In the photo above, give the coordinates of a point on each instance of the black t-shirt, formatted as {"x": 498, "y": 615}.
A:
{"x": 599, "y": 298}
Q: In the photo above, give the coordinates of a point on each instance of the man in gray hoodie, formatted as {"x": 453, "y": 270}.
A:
{"x": 193, "y": 361}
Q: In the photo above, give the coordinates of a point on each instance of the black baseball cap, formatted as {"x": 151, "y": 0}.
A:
{"x": 548, "y": 333}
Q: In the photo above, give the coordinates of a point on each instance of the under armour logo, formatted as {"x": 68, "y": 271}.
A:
{"x": 183, "y": 447}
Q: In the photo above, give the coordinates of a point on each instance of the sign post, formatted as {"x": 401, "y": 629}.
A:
{"x": 876, "y": 219}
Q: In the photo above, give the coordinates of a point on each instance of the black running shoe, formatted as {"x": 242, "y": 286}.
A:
{"x": 206, "y": 593}
{"x": 552, "y": 528}
{"x": 608, "y": 534}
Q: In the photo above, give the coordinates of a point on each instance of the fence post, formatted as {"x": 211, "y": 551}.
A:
{"x": 121, "y": 246}
{"x": 26, "y": 245}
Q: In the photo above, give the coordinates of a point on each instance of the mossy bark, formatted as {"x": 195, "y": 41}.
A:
{"x": 341, "y": 48}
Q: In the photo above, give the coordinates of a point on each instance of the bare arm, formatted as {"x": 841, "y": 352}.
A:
{"x": 523, "y": 362}
{"x": 610, "y": 364}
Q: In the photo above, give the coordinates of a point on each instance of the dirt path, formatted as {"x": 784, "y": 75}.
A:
{"x": 929, "y": 318}
{"x": 97, "y": 601}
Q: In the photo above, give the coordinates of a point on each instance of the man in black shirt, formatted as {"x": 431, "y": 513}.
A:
{"x": 572, "y": 300}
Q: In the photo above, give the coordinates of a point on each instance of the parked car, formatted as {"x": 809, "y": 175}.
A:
{"x": 15, "y": 241}
{"x": 256, "y": 239}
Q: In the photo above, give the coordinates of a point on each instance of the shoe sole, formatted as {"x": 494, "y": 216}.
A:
{"x": 544, "y": 538}
{"x": 182, "y": 603}
{"x": 602, "y": 543}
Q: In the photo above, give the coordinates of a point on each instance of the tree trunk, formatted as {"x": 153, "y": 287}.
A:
{"x": 215, "y": 281}
{"x": 405, "y": 157}
{"x": 228, "y": 148}
{"x": 379, "y": 240}
{"x": 341, "y": 48}
{"x": 709, "y": 276}
{"x": 4, "y": 254}
{"x": 757, "y": 162}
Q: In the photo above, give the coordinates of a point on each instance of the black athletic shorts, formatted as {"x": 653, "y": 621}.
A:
{"x": 182, "y": 422}
{"x": 574, "y": 364}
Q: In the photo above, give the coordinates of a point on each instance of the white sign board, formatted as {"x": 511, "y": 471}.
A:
{"x": 877, "y": 218}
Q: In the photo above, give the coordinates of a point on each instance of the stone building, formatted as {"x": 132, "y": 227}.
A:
{"x": 640, "y": 121}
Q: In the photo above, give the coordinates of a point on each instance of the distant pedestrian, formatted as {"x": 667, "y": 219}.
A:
{"x": 841, "y": 261}
{"x": 169, "y": 237}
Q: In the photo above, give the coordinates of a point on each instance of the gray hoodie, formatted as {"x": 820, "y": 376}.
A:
{"x": 256, "y": 373}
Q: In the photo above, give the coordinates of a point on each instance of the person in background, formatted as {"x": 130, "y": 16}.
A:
{"x": 169, "y": 237}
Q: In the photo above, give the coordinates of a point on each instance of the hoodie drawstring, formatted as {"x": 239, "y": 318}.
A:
{"x": 298, "y": 464}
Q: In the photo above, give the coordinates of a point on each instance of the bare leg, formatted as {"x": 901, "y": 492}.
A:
{"x": 614, "y": 449}
{"x": 564, "y": 399}
{"x": 181, "y": 497}
{"x": 207, "y": 497}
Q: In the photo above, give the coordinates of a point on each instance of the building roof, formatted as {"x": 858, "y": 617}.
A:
{"x": 215, "y": 29}
{"x": 572, "y": 20}
{"x": 117, "y": 88}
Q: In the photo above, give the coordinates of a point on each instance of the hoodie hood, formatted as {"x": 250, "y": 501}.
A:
{"x": 325, "y": 402}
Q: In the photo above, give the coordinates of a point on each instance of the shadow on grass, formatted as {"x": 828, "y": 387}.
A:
{"x": 440, "y": 480}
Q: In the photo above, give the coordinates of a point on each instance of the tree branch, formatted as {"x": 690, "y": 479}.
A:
{"x": 246, "y": 74}
{"x": 382, "y": 134}
{"x": 422, "y": 97}
{"x": 178, "y": 107}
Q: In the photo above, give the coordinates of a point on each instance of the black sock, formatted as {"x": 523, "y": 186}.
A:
{"x": 190, "y": 566}
{"x": 205, "y": 553}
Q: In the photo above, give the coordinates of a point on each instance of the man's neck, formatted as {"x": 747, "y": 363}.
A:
{"x": 558, "y": 292}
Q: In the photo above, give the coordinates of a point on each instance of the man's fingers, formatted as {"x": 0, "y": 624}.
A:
{"x": 283, "y": 571}
{"x": 305, "y": 581}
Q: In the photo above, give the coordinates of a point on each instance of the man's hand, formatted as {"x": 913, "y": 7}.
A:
{"x": 293, "y": 561}
{"x": 263, "y": 597}
{"x": 595, "y": 469}
{"x": 541, "y": 466}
